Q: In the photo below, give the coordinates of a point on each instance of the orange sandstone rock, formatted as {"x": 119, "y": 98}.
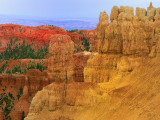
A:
{"x": 121, "y": 81}
{"x": 61, "y": 58}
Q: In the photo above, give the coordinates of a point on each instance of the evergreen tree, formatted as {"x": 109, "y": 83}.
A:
{"x": 23, "y": 115}
{"x": 24, "y": 51}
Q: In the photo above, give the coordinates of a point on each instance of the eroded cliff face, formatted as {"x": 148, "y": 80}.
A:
{"x": 65, "y": 65}
{"x": 23, "y": 48}
{"x": 17, "y": 91}
{"x": 128, "y": 34}
{"x": 127, "y": 63}
{"x": 40, "y": 35}
{"x": 121, "y": 81}
{"x": 136, "y": 97}
{"x": 61, "y": 58}
{"x": 124, "y": 43}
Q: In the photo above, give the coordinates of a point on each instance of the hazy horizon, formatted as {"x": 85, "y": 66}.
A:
{"x": 83, "y": 14}
{"x": 66, "y": 23}
{"x": 66, "y": 9}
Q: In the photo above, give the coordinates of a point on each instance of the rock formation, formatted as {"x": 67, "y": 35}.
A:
{"x": 35, "y": 80}
{"x": 30, "y": 84}
{"x": 121, "y": 81}
{"x": 91, "y": 36}
{"x": 56, "y": 97}
{"x": 80, "y": 61}
{"x": 21, "y": 106}
{"x": 61, "y": 58}
{"x": 63, "y": 65}
{"x": 40, "y": 35}
{"x": 127, "y": 35}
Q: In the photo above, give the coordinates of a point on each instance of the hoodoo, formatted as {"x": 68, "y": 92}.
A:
{"x": 61, "y": 58}
{"x": 121, "y": 81}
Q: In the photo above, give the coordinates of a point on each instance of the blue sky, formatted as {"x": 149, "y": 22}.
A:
{"x": 67, "y": 8}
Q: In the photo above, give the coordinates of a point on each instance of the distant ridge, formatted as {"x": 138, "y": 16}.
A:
{"x": 66, "y": 23}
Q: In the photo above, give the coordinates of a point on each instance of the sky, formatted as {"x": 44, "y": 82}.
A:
{"x": 67, "y": 8}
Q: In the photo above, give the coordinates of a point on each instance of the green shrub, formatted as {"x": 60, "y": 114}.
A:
{"x": 23, "y": 115}
{"x": 31, "y": 65}
{"x": 23, "y": 51}
{"x": 8, "y": 99}
{"x": 80, "y": 32}
{"x": 2, "y": 69}
{"x": 20, "y": 92}
{"x": 7, "y": 102}
{"x": 85, "y": 44}
{"x": 71, "y": 31}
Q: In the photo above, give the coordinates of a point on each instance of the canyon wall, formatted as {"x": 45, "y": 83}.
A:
{"x": 124, "y": 43}
{"x": 128, "y": 34}
{"x": 66, "y": 61}
{"x": 121, "y": 81}
{"x": 40, "y": 35}
{"x": 20, "y": 89}
{"x": 62, "y": 66}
